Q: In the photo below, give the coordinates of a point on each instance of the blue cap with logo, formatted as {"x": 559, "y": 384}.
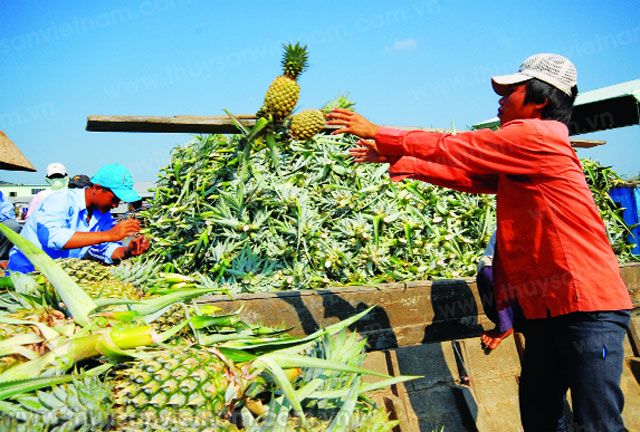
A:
{"x": 117, "y": 178}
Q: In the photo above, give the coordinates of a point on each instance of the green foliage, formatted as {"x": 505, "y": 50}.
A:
{"x": 83, "y": 404}
{"x": 601, "y": 179}
{"x": 319, "y": 219}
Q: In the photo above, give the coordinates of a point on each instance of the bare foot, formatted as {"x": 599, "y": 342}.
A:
{"x": 492, "y": 338}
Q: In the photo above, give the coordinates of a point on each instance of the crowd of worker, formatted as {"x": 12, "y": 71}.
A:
{"x": 72, "y": 219}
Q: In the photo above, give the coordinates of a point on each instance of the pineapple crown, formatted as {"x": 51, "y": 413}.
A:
{"x": 294, "y": 60}
{"x": 341, "y": 101}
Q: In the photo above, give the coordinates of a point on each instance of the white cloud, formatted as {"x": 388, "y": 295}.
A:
{"x": 405, "y": 45}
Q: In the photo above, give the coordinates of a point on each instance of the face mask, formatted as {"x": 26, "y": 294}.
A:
{"x": 58, "y": 183}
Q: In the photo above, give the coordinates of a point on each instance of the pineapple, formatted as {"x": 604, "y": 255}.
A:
{"x": 283, "y": 93}
{"x": 311, "y": 122}
{"x": 83, "y": 270}
{"x": 175, "y": 421}
{"x": 111, "y": 288}
{"x": 82, "y": 405}
{"x": 307, "y": 123}
{"x": 186, "y": 380}
{"x": 50, "y": 317}
{"x": 174, "y": 315}
{"x": 96, "y": 279}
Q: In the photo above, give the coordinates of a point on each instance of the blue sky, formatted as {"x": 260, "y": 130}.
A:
{"x": 420, "y": 63}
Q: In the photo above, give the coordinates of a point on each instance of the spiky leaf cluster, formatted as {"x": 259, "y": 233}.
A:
{"x": 295, "y": 60}
{"x": 315, "y": 219}
{"x": 349, "y": 349}
{"x": 601, "y": 179}
{"x": 83, "y": 405}
{"x": 311, "y": 217}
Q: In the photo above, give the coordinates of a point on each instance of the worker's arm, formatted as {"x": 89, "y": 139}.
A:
{"x": 514, "y": 149}
{"x": 137, "y": 246}
{"x": 442, "y": 175}
{"x": 119, "y": 231}
{"x": 401, "y": 167}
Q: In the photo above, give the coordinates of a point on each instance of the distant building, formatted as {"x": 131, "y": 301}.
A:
{"x": 21, "y": 190}
{"x": 22, "y": 194}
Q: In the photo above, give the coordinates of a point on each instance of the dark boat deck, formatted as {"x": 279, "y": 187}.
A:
{"x": 432, "y": 328}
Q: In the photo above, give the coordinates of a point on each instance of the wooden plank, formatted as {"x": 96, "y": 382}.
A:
{"x": 634, "y": 335}
{"x": 220, "y": 125}
{"x": 585, "y": 143}
{"x": 407, "y": 314}
{"x": 176, "y": 124}
{"x": 187, "y": 124}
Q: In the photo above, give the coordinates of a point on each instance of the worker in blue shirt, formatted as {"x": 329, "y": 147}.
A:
{"x": 7, "y": 217}
{"x": 77, "y": 223}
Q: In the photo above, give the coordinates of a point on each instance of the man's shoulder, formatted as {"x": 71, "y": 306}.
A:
{"x": 65, "y": 194}
{"x": 548, "y": 126}
{"x": 61, "y": 200}
{"x": 538, "y": 130}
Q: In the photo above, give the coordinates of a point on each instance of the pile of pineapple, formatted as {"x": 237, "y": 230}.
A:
{"x": 130, "y": 361}
{"x": 283, "y": 206}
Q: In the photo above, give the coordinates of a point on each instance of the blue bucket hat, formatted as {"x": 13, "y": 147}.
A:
{"x": 117, "y": 178}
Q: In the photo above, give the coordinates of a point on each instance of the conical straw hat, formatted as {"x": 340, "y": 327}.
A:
{"x": 11, "y": 158}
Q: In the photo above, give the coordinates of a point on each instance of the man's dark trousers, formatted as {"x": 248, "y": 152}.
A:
{"x": 582, "y": 351}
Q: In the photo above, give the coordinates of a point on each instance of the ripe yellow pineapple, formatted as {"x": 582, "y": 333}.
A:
{"x": 96, "y": 279}
{"x": 111, "y": 288}
{"x": 81, "y": 269}
{"x": 188, "y": 379}
{"x": 283, "y": 93}
{"x": 311, "y": 122}
{"x": 307, "y": 123}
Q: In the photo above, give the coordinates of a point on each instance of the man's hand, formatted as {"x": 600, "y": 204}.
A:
{"x": 353, "y": 123}
{"x": 125, "y": 228}
{"x": 367, "y": 152}
{"x": 137, "y": 246}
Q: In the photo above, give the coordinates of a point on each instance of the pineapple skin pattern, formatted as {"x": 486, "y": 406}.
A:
{"x": 282, "y": 95}
{"x": 307, "y": 124}
{"x": 182, "y": 378}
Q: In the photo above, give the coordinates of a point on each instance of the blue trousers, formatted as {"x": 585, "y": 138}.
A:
{"x": 580, "y": 351}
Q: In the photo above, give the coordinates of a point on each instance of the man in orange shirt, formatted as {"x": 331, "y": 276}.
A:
{"x": 553, "y": 258}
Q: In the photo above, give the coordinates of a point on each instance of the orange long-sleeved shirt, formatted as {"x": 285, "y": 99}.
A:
{"x": 554, "y": 256}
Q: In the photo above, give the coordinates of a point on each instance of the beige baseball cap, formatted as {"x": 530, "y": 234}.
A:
{"x": 551, "y": 68}
{"x": 56, "y": 168}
